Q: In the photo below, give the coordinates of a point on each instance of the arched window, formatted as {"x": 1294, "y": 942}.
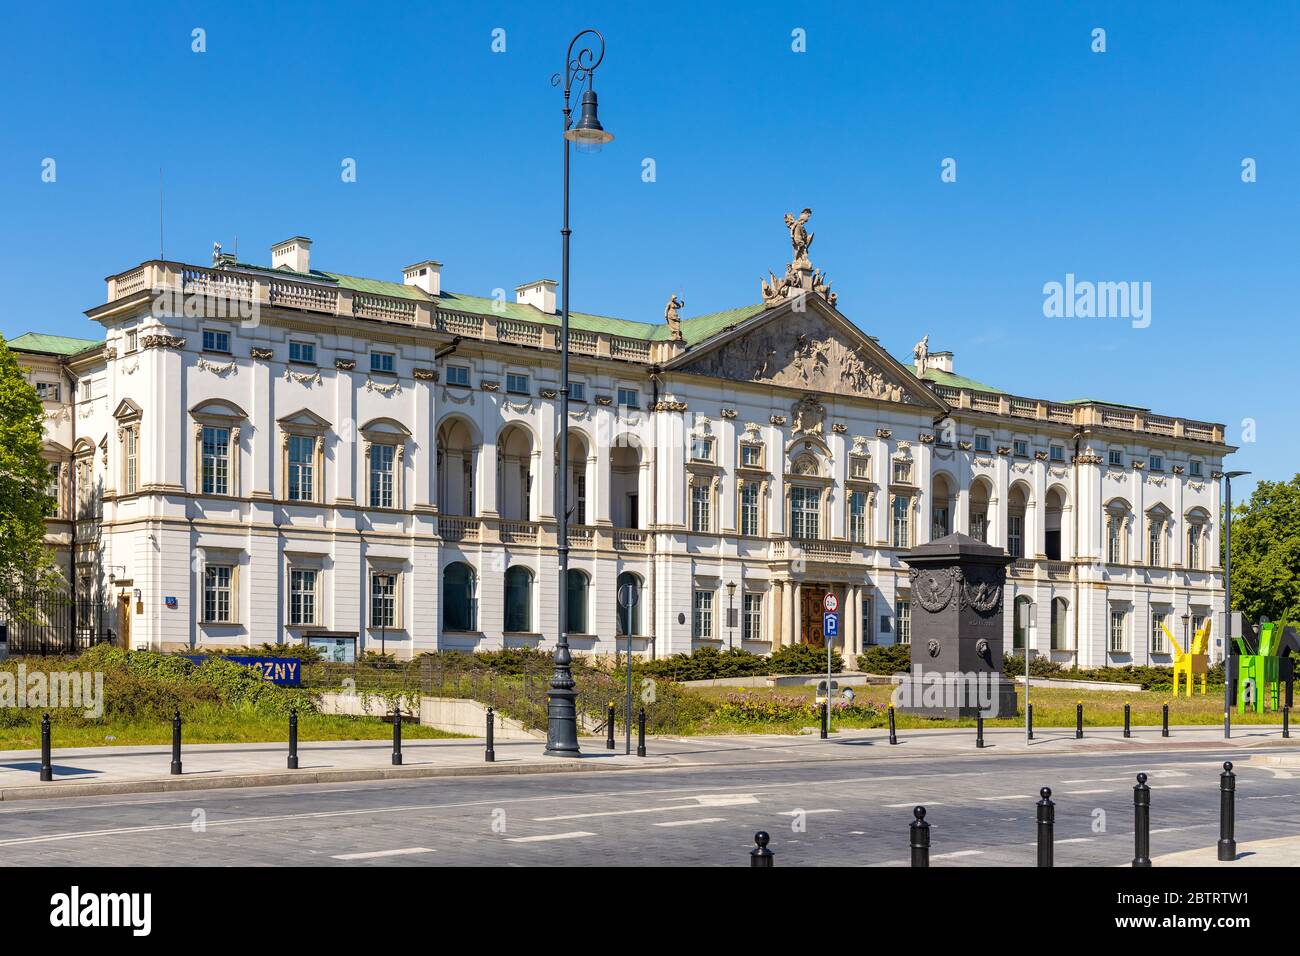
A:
{"x": 455, "y": 466}
{"x": 1060, "y": 624}
{"x": 576, "y": 598}
{"x": 629, "y": 618}
{"x": 459, "y": 605}
{"x": 978, "y": 525}
{"x": 519, "y": 600}
{"x": 1017, "y": 507}
{"x": 1052, "y": 532}
{"x": 1020, "y": 629}
{"x": 940, "y": 507}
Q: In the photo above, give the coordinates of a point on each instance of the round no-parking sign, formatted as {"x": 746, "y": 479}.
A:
{"x": 830, "y": 602}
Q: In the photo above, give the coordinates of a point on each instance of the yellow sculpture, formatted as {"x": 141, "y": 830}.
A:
{"x": 1195, "y": 660}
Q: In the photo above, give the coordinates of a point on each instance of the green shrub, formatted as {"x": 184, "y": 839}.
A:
{"x": 769, "y": 708}
{"x": 1013, "y": 665}
{"x": 705, "y": 663}
{"x": 803, "y": 659}
{"x": 886, "y": 659}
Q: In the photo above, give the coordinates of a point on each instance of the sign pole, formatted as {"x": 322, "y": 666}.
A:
{"x": 830, "y": 631}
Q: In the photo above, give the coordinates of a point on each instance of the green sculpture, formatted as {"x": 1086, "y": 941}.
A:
{"x": 1263, "y": 664}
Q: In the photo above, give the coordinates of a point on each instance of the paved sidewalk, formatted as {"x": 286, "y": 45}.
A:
{"x": 1284, "y": 851}
{"x": 140, "y": 769}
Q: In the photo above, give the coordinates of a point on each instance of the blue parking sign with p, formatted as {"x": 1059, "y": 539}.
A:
{"x": 830, "y": 624}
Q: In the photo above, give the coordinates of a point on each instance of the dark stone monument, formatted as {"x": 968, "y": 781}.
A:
{"x": 957, "y": 585}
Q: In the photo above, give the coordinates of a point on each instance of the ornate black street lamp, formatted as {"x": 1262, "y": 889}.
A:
{"x": 1227, "y": 599}
{"x": 588, "y": 135}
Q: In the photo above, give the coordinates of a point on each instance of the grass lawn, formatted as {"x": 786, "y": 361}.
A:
{"x": 1053, "y": 707}
{"x": 209, "y": 726}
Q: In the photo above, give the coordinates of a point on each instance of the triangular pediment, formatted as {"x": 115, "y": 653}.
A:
{"x": 807, "y": 345}
{"x": 305, "y": 419}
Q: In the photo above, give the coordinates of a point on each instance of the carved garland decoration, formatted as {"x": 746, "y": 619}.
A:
{"x": 217, "y": 369}
{"x": 307, "y": 379}
{"x": 257, "y": 353}
{"x": 389, "y": 388}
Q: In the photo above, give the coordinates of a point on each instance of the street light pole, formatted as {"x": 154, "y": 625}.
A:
{"x": 1227, "y": 600}
{"x": 561, "y": 711}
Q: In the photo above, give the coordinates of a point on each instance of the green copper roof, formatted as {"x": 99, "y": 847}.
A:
{"x": 940, "y": 377}
{"x": 703, "y": 327}
{"x": 52, "y": 344}
{"x": 377, "y": 286}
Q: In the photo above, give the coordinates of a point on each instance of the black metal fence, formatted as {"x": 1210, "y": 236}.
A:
{"x": 52, "y": 622}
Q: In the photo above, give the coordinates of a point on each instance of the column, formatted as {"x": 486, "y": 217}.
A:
{"x": 796, "y": 615}
{"x": 850, "y": 636}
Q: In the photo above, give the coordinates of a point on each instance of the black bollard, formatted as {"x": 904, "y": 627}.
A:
{"x": 176, "y": 744}
{"x": 1286, "y": 722}
{"x": 1142, "y": 822}
{"x": 1030, "y": 725}
{"x": 979, "y": 731}
{"x": 1227, "y": 813}
{"x": 47, "y": 772}
{"x": 1127, "y": 730}
{"x": 1164, "y": 720}
{"x": 1046, "y": 826}
{"x": 761, "y": 855}
{"x": 490, "y": 754}
{"x": 824, "y": 711}
{"x": 609, "y": 727}
{"x": 640, "y": 733}
{"x": 1078, "y": 720}
{"x": 893, "y": 732}
{"x": 920, "y": 838}
{"x": 397, "y": 736}
{"x": 293, "y": 739}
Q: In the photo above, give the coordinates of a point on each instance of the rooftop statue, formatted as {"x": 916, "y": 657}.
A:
{"x": 673, "y": 317}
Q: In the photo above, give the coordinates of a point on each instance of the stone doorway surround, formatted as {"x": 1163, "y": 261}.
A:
{"x": 797, "y": 612}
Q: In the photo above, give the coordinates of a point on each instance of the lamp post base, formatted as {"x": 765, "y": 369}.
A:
{"x": 561, "y": 710}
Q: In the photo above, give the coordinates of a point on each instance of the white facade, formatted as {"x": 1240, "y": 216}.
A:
{"x": 345, "y": 459}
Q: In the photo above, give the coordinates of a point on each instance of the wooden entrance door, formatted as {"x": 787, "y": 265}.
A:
{"x": 810, "y": 614}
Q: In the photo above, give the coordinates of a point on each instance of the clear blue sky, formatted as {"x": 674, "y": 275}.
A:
{"x": 1115, "y": 166}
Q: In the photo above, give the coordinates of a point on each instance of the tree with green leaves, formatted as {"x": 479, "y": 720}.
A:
{"x": 1266, "y": 553}
{"x": 26, "y": 564}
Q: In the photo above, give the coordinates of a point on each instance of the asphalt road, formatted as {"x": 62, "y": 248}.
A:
{"x": 982, "y": 809}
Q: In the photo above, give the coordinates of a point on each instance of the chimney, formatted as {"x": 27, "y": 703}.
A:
{"x": 426, "y": 275}
{"x": 292, "y": 254}
{"x": 941, "y": 361}
{"x": 539, "y": 294}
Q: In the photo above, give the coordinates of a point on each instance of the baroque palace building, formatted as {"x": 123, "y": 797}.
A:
{"x": 280, "y": 454}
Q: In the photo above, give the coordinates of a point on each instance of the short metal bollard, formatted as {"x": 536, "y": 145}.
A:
{"x": 1286, "y": 723}
{"x": 979, "y": 731}
{"x": 176, "y": 744}
{"x": 47, "y": 771}
{"x": 1142, "y": 822}
{"x": 825, "y": 708}
{"x": 640, "y": 733}
{"x": 1030, "y": 722}
{"x": 397, "y": 736}
{"x": 609, "y": 726}
{"x": 1046, "y": 826}
{"x": 893, "y": 731}
{"x": 1164, "y": 720}
{"x": 920, "y": 838}
{"x": 1127, "y": 727}
{"x": 1078, "y": 720}
{"x": 1227, "y": 813}
{"x": 761, "y": 855}
{"x": 293, "y": 739}
{"x": 490, "y": 753}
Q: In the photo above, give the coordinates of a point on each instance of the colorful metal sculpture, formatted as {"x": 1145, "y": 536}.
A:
{"x": 1193, "y": 661}
{"x": 1263, "y": 665}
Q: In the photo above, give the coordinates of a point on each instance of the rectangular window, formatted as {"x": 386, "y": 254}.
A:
{"x": 982, "y": 443}
{"x": 215, "y": 340}
{"x": 1156, "y": 534}
{"x": 217, "y": 593}
{"x": 516, "y": 384}
{"x": 302, "y": 597}
{"x": 749, "y": 508}
{"x": 47, "y": 391}
{"x": 752, "y": 626}
{"x": 1158, "y": 619}
{"x": 1116, "y": 458}
{"x": 858, "y": 516}
{"x": 702, "y": 449}
{"x": 902, "y": 471}
{"x": 702, "y": 621}
{"x": 1194, "y": 468}
{"x": 1015, "y": 536}
{"x": 1156, "y": 463}
{"x": 304, "y": 352}
{"x": 580, "y": 498}
{"x": 1118, "y": 640}
{"x": 1114, "y": 541}
{"x": 979, "y": 526}
{"x": 1194, "y": 546}
{"x": 1056, "y": 452}
{"x": 383, "y": 600}
{"x": 805, "y": 512}
{"x": 382, "y": 362}
{"x": 868, "y": 633}
{"x": 381, "y": 475}
{"x": 577, "y": 391}
{"x": 216, "y": 460}
{"x": 302, "y": 468}
{"x": 700, "y": 508}
{"x": 629, "y": 398}
{"x": 904, "y": 621}
{"x": 132, "y": 341}
{"x": 131, "y": 454}
{"x": 902, "y": 522}
{"x": 458, "y": 375}
{"x": 52, "y": 489}
{"x": 751, "y": 456}
{"x": 1020, "y": 448}
{"x": 859, "y": 467}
